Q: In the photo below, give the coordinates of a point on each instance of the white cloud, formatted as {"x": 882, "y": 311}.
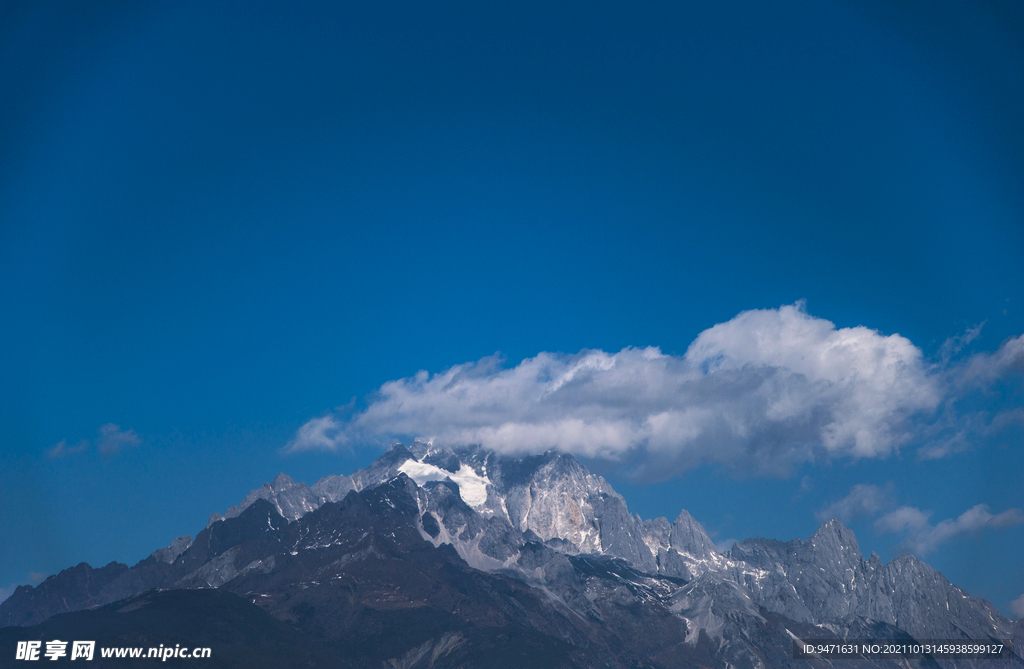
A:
{"x": 922, "y": 537}
{"x": 1017, "y": 607}
{"x": 763, "y": 391}
{"x": 724, "y": 546}
{"x": 863, "y": 500}
{"x": 903, "y": 519}
{"x": 325, "y": 433}
{"x": 113, "y": 439}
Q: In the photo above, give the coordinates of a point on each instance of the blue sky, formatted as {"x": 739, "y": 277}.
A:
{"x": 219, "y": 223}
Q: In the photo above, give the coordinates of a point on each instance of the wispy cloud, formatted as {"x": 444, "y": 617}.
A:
{"x": 954, "y": 345}
{"x": 985, "y": 368}
{"x": 863, "y": 500}
{"x": 62, "y": 449}
{"x": 724, "y": 545}
{"x": 921, "y": 537}
{"x": 1017, "y": 606}
{"x": 326, "y": 433}
{"x": 111, "y": 440}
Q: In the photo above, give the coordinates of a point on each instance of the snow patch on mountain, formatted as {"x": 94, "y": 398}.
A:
{"x": 472, "y": 486}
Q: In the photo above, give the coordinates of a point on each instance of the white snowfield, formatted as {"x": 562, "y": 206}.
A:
{"x": 472, "y": 486}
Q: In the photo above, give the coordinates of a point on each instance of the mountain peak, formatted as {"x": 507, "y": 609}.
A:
{"x": 282, "y": 482}
{"x": 834, "y": 533}
{"x": 688, "y": 536}
{"x": 396, "y": 454}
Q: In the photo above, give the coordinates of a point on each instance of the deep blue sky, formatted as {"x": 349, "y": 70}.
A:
{"x": 220, "y": 221}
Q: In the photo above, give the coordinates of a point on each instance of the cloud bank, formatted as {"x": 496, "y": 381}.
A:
{"x": 762, "y": 392}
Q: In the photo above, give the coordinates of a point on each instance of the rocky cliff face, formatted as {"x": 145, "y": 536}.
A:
{"x": 429, "y": 544}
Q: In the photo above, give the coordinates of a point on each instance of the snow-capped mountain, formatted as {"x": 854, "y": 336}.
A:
{"x": 551, "y": 498}
{"x": 444, "y": 546}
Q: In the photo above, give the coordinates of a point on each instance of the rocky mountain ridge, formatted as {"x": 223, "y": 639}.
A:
{"x": 550, "y": 495}
{"x": 546, "y": 533}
